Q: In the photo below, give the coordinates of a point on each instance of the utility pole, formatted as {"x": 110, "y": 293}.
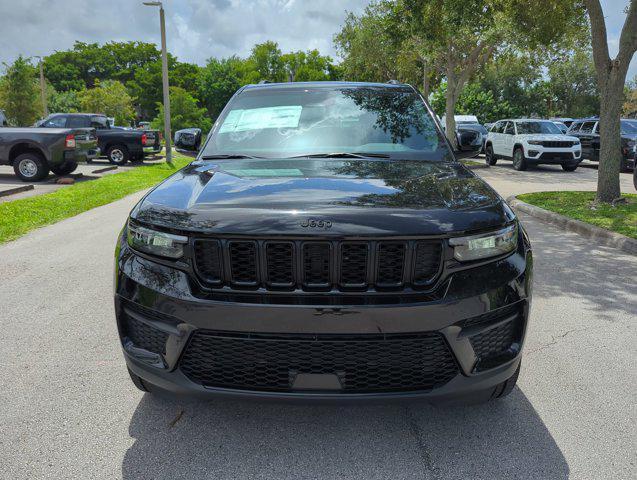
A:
{"x": 45, "y": 110}
{"x": 164, "y": 74}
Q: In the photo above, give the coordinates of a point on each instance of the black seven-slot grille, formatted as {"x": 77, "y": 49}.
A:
{"x": 357, "y": 363}
{"x": 557, "y": 143}
{"x": 318, "y": 265}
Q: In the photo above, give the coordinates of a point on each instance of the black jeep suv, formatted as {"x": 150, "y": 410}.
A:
{"x": 326, "y": 244}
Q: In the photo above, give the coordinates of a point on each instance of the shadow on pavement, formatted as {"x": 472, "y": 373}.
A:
{"x": 230, "y": 439}
{"x": 574, "y": 266}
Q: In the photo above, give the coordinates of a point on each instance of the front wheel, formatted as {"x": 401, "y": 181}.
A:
{"x": 65, "y": 168}
{"x": 569, "y": 168}
{"x": 489, "y": 156}
{"x": 30, "y": 167}
{"x": 117, "y": 154}
{"x": 519, "y": 162}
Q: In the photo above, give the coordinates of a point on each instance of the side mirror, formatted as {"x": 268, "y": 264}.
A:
{"x": 470, "y": 144}
{"x": 188, "y": 141}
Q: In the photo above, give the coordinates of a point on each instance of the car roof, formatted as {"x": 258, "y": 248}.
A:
{"x": 327, "y": 84}
{"x": 79, "y": 114}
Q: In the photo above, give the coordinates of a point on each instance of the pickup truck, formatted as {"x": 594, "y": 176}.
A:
{"x": 34, "y": 152}
{"x": 118, "y": 145}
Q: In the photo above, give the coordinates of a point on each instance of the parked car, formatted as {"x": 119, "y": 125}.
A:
{"x": 587, "y": 130}
{"x": 531, "y": 141}
{"x": 119, "y": 146}
{"x": 565, "y": 120}
{"x": 34, "y": 152}
{"x": 325, "y": 244}
{"x": 562, "y": 126}
{"x": 188, "y": 139}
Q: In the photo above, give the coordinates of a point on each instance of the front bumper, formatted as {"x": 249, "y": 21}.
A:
{"x": 539, "y": 154}
{"x": 161, "y": 298}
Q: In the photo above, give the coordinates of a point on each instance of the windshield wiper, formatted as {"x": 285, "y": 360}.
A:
{"x": 227, "y": 157}
{"x": 343, "y": 155}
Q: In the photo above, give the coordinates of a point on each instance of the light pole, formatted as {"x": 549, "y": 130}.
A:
{"x": 45, "y": 109}
{"x": 164, "y": 75}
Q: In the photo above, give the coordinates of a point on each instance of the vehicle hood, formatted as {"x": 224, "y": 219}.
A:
{"x": 358, "y": 197}
{"x": 547, "y": 137}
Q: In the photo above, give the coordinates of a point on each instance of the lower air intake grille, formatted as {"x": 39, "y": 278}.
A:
{"x": 144, "y": 336}
{"x": 362, "y": 363}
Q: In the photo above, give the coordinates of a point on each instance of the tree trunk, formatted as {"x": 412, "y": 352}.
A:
{"x": 610, "y": 154}
{"x": 450, "y": 120}
{"x": 611, "y": 76}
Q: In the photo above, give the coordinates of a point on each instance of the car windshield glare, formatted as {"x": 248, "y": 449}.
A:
{"x": 525, "y": 128}
{"x": 291, "y": 122}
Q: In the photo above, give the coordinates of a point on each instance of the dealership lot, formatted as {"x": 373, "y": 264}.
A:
{"x": 70, "y": 410}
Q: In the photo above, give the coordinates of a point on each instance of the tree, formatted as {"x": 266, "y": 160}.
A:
{"x": 611, "y": 77}
{"x": 64, "y": 102}
{"x": 306, "y": 66}
{"x": 268, "y": 62}
{"x": 573, "y": 86}
{"x": 458, "y": 37}
{"x": 630, "y": 105}
{"x": 20, "y": 93}
{"x": 217, "y": 82}
{"x": 370, "y": 44}
{"x": 109, "y": 98}
{"x": 184, "y": 112}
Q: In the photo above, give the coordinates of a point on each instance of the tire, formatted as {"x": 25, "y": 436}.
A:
{"x": 117, "y": 154}
{"x": 137, "y": 381}
{"x": 519, "y": 162}
{"x": 569, "y": 168}
{"x": 623, "y": 165}
{"x": 65, "y": 168}
{"x": 506, "y": 387}
{"x": 489, "y": 156}
{"x": 30, "y": 167}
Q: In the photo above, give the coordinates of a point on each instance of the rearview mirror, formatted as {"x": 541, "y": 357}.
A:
{"x": 469, "y": 144}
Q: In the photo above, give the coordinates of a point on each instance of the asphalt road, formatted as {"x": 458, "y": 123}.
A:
{"x": 68, "y": 409}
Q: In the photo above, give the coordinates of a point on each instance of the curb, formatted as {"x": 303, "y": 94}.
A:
{"x": 13, "y": 191}
{"x": 105, "y": 169}
{"x": 600, "y": 235}
{"x": 475, "y": 167}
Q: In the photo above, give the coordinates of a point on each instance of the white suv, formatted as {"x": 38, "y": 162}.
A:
{"x": 532, "y": 141}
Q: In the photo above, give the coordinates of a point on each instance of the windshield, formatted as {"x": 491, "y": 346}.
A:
{"x": 629, "y": 127}
{"x": 287, "y": 122}
{"x": 537, "y": 127}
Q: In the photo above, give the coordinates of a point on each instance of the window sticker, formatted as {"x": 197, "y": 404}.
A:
{"x": 260, "y": 118}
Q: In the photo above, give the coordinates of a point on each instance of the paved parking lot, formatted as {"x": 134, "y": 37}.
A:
{"x": 70, "y": 411}
{"x": 84, "y": 172}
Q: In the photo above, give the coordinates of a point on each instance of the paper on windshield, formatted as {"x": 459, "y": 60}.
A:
{"x": 259, "y": 118}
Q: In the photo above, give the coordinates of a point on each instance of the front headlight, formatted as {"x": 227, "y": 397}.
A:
{"x": 534, "y": 142}
{"x": 485, "y": 245}
{"x": 156, "y": 243}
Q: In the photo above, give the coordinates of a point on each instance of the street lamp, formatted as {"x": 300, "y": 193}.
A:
{"x": 45, "y": 109}
{"x": 164, "y": 75}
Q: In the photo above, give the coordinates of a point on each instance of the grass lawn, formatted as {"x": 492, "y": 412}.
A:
{"x": 471, "y": 163}
{"x": 21, "y": 216}
{"x": 621, "y": 218}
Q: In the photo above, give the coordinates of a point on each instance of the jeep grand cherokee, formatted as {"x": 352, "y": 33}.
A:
{"x": 325, "y": 244}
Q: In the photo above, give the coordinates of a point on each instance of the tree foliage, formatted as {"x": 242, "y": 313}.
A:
{"x": 20, "y": 93}
{"x": 109, "y": 98}
{"x": 184, "y": 112}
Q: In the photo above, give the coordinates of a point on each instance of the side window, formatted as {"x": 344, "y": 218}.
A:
{"x": 77, "y": 122}
{"x": 508, "y": 130}
{"x": 58, "y": 121}
{"x": 99, "y": 123}
{"x": 575, "y": 126}
{"x": 596, "y": 129}
{"x": 587, "y": 127}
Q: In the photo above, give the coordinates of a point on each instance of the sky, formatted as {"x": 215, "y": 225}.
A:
{"x": 196, "y": 29}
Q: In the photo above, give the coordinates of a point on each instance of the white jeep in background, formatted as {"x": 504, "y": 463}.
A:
{"x": 531, "y": 141}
